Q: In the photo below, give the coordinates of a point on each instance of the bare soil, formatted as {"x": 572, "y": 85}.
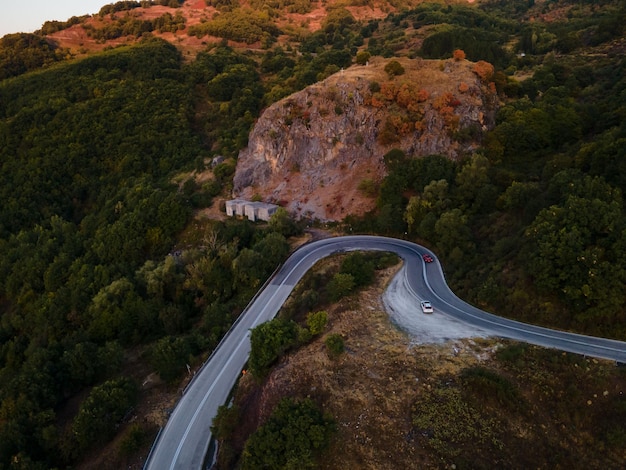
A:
{"x": 76, "y": 39}
{"x": 371, "y": 387}
{"x": 561, "y": 405}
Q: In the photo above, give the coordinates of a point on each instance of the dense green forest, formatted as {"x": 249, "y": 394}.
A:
{"x": 88, "y": 225}
{"x": 101, "y": 256}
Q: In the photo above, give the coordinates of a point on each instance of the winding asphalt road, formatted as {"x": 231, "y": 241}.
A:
{"x": 183, "y": 442}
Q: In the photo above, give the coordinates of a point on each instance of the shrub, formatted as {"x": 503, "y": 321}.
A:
{"x": 133, "y": 440}
{"x": 362, "y": 57}
{"x": 486, "y": 383}
{"x": 368, "y": 187}
{"x": 291, "y": 437}
{"x": 394, "y": 68}
{"x": 334, "y": 345}
{"x": 269, "y": 341}
{"x": 317, "y": 322}
{"x": 458, "y": 54}
{"x": 484, "y": 70}
{"x": 225, "y": 421}
{"x": 360, "y": 267}
{"x": 340, "y": 285}
{"x": 512, "y": 354}
{"x": 169, "y": 356}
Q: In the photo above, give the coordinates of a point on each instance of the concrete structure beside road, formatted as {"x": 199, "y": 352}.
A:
{"x": 252, "y": 210}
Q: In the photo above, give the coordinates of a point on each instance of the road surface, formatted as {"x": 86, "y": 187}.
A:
{"x": 184, "y": 441}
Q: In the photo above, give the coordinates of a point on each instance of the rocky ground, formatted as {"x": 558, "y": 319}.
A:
{"x": 318, "y": 150}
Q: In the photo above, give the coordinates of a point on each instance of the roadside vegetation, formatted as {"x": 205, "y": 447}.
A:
{"x": 300, "y": 320}
{"x": 104, "y": 267}
{"x": 298, "y": 430}
{"x": 470, "y": 404}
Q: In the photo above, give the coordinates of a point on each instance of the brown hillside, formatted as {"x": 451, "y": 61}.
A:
{"x": 78, "y": 41}
{"x": 465, "y": 404}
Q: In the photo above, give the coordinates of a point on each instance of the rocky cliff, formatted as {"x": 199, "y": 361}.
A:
{"x": 312, "y": 150}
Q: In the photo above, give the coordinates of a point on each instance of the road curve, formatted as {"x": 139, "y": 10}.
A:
{"x": 183, "y": 442}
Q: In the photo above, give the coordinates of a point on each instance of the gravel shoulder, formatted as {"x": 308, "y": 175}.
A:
{"x": 404, "y": 311}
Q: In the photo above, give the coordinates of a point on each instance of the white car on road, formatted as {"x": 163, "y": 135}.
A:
{"x": 426, "y": 306}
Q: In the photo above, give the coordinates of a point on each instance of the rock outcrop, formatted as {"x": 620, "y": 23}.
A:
{"x": 313, "y": 150}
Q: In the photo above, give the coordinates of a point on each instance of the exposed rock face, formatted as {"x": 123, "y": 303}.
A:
{"x": 311, "y": 150}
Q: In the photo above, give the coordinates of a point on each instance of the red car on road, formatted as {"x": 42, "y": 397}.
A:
{"x": 427, "y": 258}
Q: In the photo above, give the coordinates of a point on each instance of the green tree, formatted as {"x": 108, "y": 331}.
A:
{"x": 22, "y": 52}
{"x": 101, "y": 412}
{"x": 317, "y": 322}
{"x": 337, "y": 19}
{"x": 82, "y": 365}
{"x": 274, "y": 250}
{"x": 269, "y": 341}
{"x": 117, "y": 311}
{"x": 362, "y": 57}
{"x": 417, "y": 208}
{"x": 433, "y": 202}
{"x": 454, "y": 237}
{"x": 394, "y": 68}
{"x": 133, "y": 440}
{"x": 225, "y": 421}
{"x": 340, "y": 285}
{"x": 248, "y": 269}
{"x": 161, "y": 279}
{"x": 169, "y": 356}
{"x": 334, "y": 345}
{"x": 360, "y": 267}
{"x": 572, "y": 246}
{"x": 472, "y": 182}
{"x": 282, "y": 222}
{"x": 294, "y": 435}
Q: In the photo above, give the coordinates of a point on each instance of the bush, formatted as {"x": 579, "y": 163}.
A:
{"x": 169, "y": 356}
{"x": 133, "y": 440}
{"x": 362, "y": 57}
{"x": 512, "y": 354}
{"x": 269, "y": 341}
{"x": 317, "y": 322}
{"x": 360, "y": 267}
{"x": 340, "y": 285}
{"x": 368, "y": 187}
{"x": 291, "y": 438}
{"x": 334, "y": 345}
{"x": 394, "y": 68}
{"x": 458, "y": 55}
{"x": 101, "y": 412}
{"x": 225, "y": 421}
{"x": 486, "y": 383}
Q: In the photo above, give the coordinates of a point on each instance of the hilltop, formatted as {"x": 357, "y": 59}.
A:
{"x": 182, "y": 25}
{"x": 320, "y": 150}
